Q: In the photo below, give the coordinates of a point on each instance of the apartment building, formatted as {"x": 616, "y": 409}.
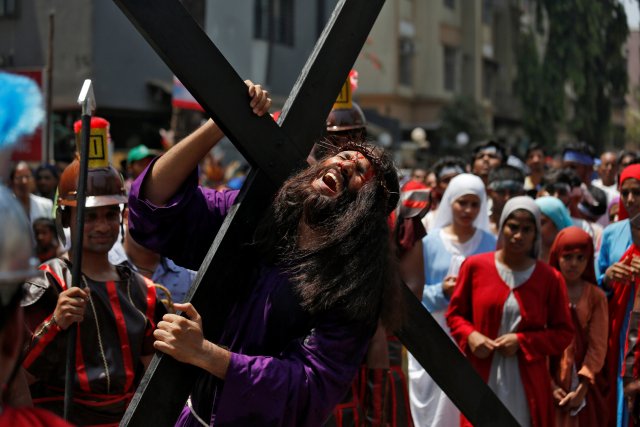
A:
{"x": 423, "y": 53}
{"x": 418, "y": 57}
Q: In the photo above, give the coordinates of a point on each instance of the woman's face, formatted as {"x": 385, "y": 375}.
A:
{"x": 519, "y": 233}
{"x": 548, "y": 231}
{"x": 630, "y": 196}
{"x": 572, "y": 265}
{"x": 465, "y": 210}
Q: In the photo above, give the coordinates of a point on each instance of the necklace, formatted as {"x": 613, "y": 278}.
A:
{"x": 100, "y": 344}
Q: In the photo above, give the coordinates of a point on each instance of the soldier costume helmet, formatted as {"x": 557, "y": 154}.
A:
{"x": 105, "y": 186}
{"x": 346, "y": 119}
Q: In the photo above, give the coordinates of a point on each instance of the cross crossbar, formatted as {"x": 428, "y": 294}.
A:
{"x": 274, "y": 152}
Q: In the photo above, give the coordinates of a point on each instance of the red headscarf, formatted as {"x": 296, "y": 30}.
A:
{"x": 569, "y": 240}
{"x": 415, "y": 201}
{"x": 631, "y": 171}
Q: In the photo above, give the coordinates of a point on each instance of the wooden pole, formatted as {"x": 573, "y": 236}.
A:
{"x": 48, "y": 156}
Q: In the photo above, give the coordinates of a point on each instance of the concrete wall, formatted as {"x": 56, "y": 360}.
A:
{"x": 123, "y": 62}
{"x": 21, "y": 38}
{"x": 230, "y": 26}
{"x": 24, "y": 39}
{"x": 92, "y": 39}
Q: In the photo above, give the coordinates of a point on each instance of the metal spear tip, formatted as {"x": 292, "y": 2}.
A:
{"x": 87, "y": 99}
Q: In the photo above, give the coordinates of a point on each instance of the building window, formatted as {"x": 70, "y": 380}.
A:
{"x": 450, "y": 68}
{"x": 450, "y": 4}
{"x": 8, "y": 8}
{"x": 487, "y": 12}
{"x": 405, "y": 71}
{"x": 273, "y": 20}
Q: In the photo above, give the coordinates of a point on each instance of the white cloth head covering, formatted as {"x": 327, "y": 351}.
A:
{"x": 459, "y": 186}
{"x": 522, "y": 203}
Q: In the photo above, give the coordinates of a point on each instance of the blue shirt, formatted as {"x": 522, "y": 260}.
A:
{"x": 176, "y": 279}
{"x": 436, "y": 265}
{"x": 616, "y": 239}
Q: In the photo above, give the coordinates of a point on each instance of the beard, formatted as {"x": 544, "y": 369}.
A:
{"x": 346, "y": 262}
{"x": 330, "y": 218}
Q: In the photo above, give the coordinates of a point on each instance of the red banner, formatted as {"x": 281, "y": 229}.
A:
{"x": 181, "y": 98}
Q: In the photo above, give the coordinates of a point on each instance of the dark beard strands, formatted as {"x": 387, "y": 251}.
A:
{"x": 346, "y": 266}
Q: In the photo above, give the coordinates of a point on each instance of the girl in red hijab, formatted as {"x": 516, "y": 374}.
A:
{"x": 578, "y": 387}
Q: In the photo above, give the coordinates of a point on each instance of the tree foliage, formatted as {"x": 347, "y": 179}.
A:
{"x": 572, "y": 79}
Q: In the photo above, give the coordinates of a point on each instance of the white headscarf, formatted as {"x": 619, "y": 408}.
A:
{"x": 462, "y": 185}
{"x": 525, "y": 203}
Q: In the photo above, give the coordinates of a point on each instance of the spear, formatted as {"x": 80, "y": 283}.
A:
{"x": 87, "y": 101}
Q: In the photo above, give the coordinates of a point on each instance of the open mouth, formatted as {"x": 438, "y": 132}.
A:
{"x": 331, "y": 181}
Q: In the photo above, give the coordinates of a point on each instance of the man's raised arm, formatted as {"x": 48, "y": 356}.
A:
{"x": 170, "y": 171}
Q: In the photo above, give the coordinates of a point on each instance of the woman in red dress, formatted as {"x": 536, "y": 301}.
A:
{"x": 509, "y": 312}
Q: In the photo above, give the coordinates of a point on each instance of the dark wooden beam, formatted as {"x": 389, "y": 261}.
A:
{"x": 273, "y": 152}
{"x": 213, "y": 82}
{"x": 198, "y": 63}
{"x": 446, "y": 364}
{"x": 167, "y": 383}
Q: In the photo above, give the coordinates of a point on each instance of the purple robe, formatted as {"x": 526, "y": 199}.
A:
{"x": 287, "y": 368}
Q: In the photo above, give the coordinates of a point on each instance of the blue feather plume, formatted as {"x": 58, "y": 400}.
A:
{"x": 20, "y": 108}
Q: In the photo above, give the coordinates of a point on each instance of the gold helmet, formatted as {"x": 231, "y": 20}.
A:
{"x": 105, "y": 186}
{"x": 346, "y": 119}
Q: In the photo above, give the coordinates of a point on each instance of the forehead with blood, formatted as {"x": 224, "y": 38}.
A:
{"x": 355, "y": 158}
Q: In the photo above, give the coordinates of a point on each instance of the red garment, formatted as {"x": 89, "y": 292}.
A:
{"x": 116, "y": 332}
{"x": 621, "y": 292}
{"x": 545, "y": 329}
{"x": 630, "y": 369}
{"x": 586, "y": 353}
{"x": 586, "y": 349}
{"x": 30, "y": 417}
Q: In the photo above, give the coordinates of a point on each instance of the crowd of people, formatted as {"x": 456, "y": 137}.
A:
{"x": 531, "y": 266}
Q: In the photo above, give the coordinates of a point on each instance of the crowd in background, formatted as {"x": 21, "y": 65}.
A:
{"x": 530, "y": 266}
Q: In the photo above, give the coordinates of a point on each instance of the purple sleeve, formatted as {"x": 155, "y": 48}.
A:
{"x": 184, "y": 229}
{"x": 302, "y": 385}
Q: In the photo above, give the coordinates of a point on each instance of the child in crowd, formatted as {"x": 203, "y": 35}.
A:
{"x": 578, "y": 386}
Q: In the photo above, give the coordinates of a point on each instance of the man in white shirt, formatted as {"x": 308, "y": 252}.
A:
{"x": 22, "y": 184}
{"x": 608, "y": 172}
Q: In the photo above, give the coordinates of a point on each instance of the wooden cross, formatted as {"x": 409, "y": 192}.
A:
{"x": 274, "y": 152}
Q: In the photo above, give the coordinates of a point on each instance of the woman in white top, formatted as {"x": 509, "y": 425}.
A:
{"x": 460, "y": 229}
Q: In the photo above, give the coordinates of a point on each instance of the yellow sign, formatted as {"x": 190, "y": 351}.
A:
{"x": 98, "y": 148}
{"x": 344, "y": 97}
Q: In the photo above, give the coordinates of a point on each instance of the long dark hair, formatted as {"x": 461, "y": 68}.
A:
{"x": 348, "y": 262}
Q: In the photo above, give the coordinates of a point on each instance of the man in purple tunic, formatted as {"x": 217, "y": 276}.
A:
{"x": 303, "y": 317}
